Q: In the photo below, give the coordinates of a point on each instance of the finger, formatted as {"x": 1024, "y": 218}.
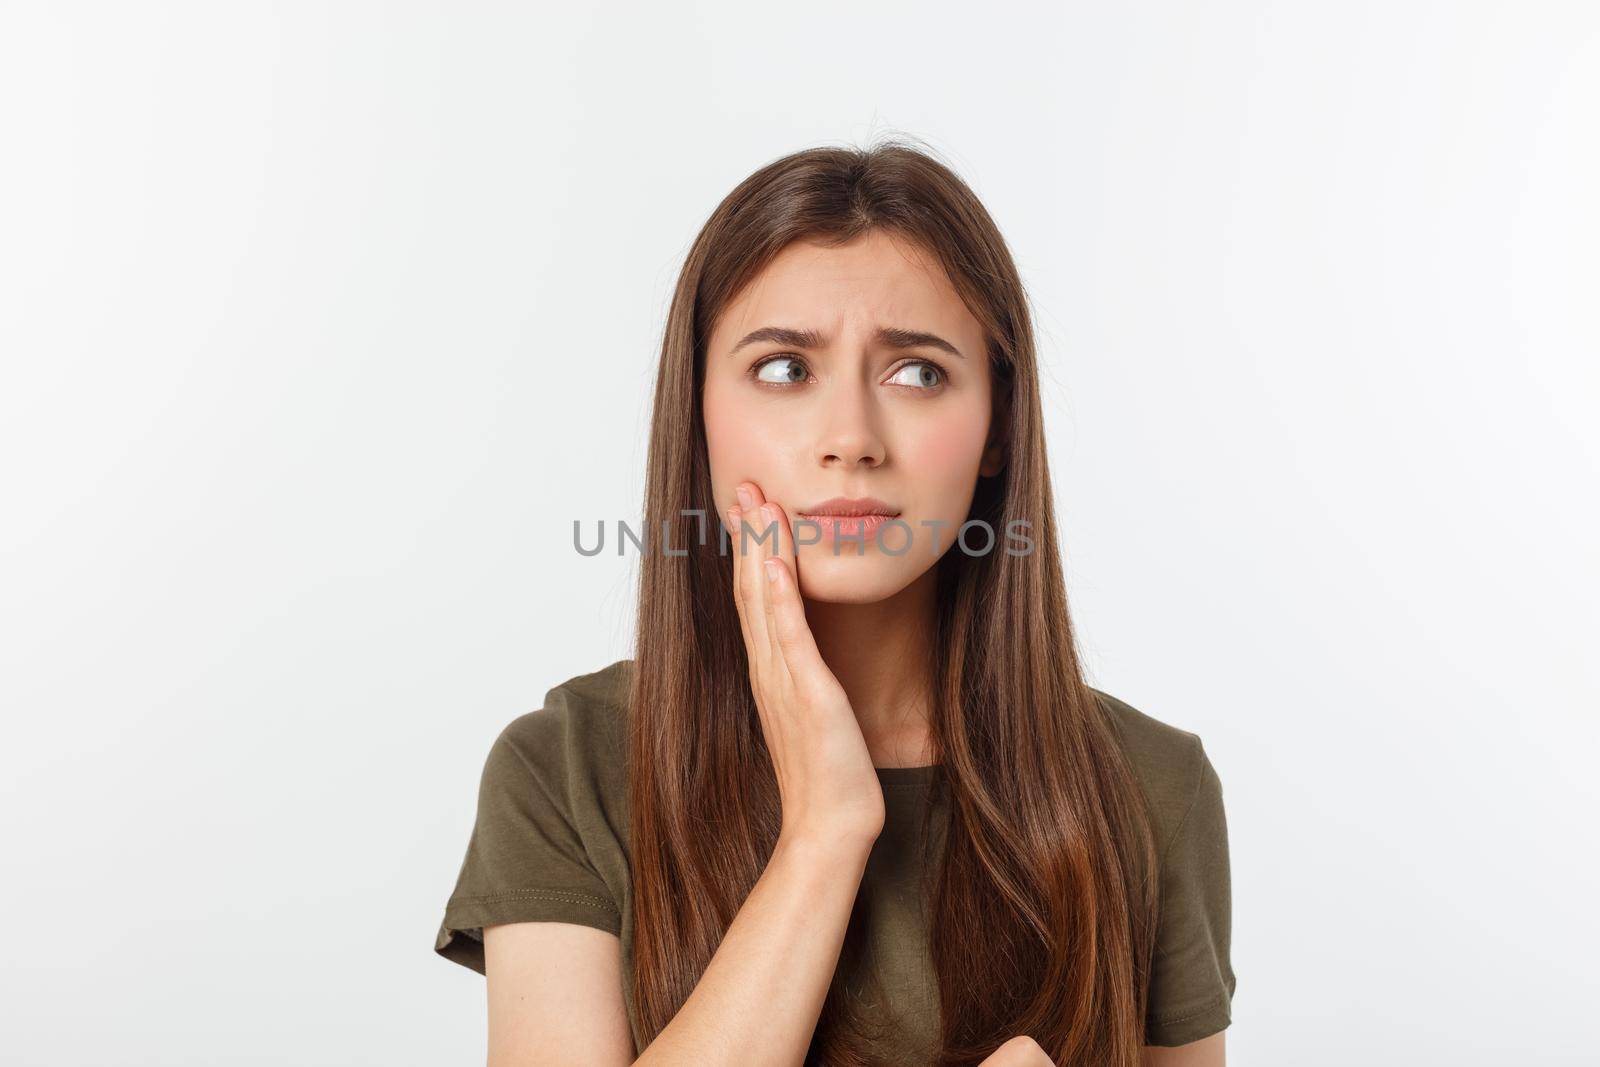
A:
{"x": 769, "y": 525}
{"x": 796, "y": 645}
{"x": 771, "y": 557}
{"x": 749, "y": 553}
{"x": 776, "y": 522}
{"x": 785, "y": 547}
{"x": 735, "y": 519}
{"x": 772, "y": 520}
{"x": 759, "y": 546}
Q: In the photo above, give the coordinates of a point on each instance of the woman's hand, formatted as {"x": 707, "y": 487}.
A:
{"x": 825, "y": 774}
{"x": 1020, "y": 1051}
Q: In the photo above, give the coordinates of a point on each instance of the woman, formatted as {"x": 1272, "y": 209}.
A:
{"x": 851, "y": 802}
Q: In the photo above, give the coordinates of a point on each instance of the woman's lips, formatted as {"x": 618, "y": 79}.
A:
{"x": 863, "y": 527}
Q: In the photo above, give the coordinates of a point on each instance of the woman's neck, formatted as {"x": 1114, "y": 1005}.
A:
{"x": 882, "y": 653}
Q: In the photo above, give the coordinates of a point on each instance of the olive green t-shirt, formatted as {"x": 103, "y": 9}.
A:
{"x": 551, "y": 844}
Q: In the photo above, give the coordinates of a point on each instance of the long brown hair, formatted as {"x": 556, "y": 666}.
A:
{"x": 1043, "y": 913}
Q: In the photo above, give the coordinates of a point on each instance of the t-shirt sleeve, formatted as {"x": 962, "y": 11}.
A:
{"x": 525, "y": 860}
{"x": 1192, "y": 981}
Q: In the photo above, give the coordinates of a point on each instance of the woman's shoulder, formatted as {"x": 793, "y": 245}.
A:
{"x": 582, "y": 701}
{"x": 580, "y": 723}
{"x": 1170, "y": 762}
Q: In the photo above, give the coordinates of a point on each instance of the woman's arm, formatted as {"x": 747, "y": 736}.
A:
{"x": 759, "y": 998}
{"x": 555, "y": 989}
{"x": 1207, "y": 1052}
{"x": 761, "y": 994}
{"x": 555, "y": 996}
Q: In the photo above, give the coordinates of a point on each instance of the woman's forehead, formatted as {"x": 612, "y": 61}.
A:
{"x": 876, "y": 281}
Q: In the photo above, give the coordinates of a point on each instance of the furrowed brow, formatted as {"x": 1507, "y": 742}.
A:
{"x": 781, "y": 335}
{"x": 916, "y": 339}
{"x": 886, "y": 335}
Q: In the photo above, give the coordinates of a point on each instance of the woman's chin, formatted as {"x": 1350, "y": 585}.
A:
{"x": 851, "y": 579}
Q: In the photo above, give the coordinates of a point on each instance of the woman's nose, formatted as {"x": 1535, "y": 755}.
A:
{"x": 850, "y": 435}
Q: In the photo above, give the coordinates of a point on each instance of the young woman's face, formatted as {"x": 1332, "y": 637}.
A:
{"x": 870, "y": 404}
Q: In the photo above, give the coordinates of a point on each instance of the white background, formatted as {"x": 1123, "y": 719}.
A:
{"x": 321, "y": 322}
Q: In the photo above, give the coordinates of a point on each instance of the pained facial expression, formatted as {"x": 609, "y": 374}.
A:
{"x": 850, "y": 412}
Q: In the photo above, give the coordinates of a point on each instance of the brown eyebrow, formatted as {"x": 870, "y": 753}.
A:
{"x": 886, "y": 335}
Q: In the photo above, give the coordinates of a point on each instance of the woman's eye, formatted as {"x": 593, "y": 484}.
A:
{"x": 788, "y": 370}
{"x": 922, "y": 375}
{"x": 781, "y": 370}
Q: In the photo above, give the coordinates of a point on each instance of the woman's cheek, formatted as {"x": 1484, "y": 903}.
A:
{"x": 733, "y": 425}
{"x": 950, "y": 459}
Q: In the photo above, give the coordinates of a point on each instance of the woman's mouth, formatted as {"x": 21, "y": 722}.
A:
{"x": 855, "y": 519}
{"x": 863, "y": 527}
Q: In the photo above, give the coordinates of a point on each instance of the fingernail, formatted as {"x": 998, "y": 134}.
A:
{"x": 767, "y": 514}
{"x": 771, "y": 566}
{"x": 745, "y": 499}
